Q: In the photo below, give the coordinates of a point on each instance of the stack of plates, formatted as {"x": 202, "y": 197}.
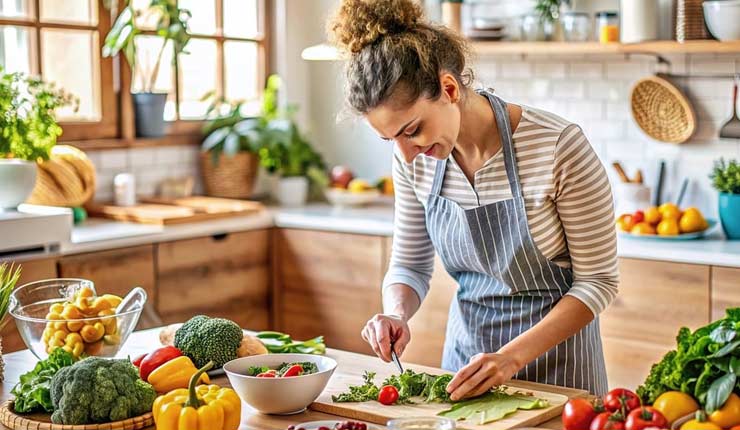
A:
{"x": 486, "y": 29}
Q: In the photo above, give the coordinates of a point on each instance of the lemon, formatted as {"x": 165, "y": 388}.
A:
{"x": 669, "y": 210}
{"x": 668, "y": 227}
{"x": 358, "y": 186}
{"x": 692, "y": 221}
{"x": 652, "y": 215}
{"x": 642, "y": 228}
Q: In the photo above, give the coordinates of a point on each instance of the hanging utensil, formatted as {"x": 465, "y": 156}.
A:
{"x": 620, "y": 171}
{"x": 681, "y": 193}
{"x": 731, "y": 129}
{"x": 659, "y": 184}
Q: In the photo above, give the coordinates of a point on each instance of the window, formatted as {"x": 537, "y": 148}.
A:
{"x": 61, "y": 41}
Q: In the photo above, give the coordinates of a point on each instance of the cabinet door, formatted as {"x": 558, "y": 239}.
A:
{"x": 32, "y": 270}
{"x": 327, "y": 284}
{"x": 116, "y": 272}
{"x": 655, "y": 300}
{"x": 725, "y": 290}
{"x": 224, "y": 275}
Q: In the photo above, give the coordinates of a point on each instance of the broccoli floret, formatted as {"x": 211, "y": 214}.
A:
{"x": 205, "y": 339}
{"x": 98, "y": 390}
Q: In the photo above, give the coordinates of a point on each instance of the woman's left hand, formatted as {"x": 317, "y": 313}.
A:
{"x": 483, "y": 372}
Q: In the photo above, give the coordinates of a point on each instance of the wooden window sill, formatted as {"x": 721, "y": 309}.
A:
{"x": 104, "y": 144}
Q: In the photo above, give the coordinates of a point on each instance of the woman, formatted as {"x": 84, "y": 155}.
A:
{"x": 513, "y": 199}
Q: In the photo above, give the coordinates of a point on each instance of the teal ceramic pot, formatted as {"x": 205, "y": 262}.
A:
{"x": 729, "y": 213}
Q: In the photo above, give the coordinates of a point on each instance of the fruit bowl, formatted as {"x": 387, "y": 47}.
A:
{"x": 47, "y": 315}
{"x": 341, "y": 197}
{"x": 711, "y": 224}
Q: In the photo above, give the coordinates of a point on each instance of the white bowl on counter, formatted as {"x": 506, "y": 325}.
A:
{"x": 723, "y": 18}
{"x": 279, "y": 395}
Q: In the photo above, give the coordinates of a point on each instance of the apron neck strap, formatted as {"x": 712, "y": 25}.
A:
{"x": 439, "y": 177}
{"x": 507, "y": 142}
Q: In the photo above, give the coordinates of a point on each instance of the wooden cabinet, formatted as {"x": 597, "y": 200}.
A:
{"x": 224, "y": 275}
{"x": 327, "y": 283}
{"x": 655, "y": 300}
{"x": 117, "y": 271}
{"x": 32, "y": 270}
{"x": 725, "y": 290}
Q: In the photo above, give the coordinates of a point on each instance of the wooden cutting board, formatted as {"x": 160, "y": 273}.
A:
{"x": 377, "y": 413}
{"x": 178, "y": 211}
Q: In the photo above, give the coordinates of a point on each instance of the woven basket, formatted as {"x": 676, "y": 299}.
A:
{"x": 662, "y": 111}
{"x": 230, "y": 176}
{"x": 690, "y": 20}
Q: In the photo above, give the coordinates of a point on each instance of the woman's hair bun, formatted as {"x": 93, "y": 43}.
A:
{"x": 359, "y": 23}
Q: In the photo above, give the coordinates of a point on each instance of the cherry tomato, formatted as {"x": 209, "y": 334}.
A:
{"x": 645, "y": 417}
{"x": 578, "y": 414}
{"x": 137, "y": 360}
{"x": 621, "y": 400}
{"x": 638, "y": 216}
{"x": 268, "y": 374}
{"x": 294, "y": 370}
{"x": 608, "y": 421}
{"x": 388, "y": 395}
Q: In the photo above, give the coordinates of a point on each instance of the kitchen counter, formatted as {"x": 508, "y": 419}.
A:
{"x": 17, "y": 363}
{"x": 97, "y": 234}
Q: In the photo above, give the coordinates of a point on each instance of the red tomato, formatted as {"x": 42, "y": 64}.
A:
{"x": 294, "y": 370}
{"x": 157, "y": 358}
{"x": 578, "y": 414}
{"x": 268, "y": 374}
{"x": 645, "y": 417}
{"x": 608, "y": 421}
{"x": 388, "y": 395}
{"x": 137, "y": 360}
{"x": 621, "y": 400}
{"x": 638, "y": 216}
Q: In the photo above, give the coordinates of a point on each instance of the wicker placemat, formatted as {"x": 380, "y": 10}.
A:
{"x": 662, "y": 111}
{"x": 43, "y": 422}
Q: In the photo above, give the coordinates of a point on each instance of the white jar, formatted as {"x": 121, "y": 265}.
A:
{"x": 631, "y": 197}
{"x": 639, "y": 20}
{"x": 124, "y": 185}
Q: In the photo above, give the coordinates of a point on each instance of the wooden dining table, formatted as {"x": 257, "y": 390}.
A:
{"x": 141, "y": 342}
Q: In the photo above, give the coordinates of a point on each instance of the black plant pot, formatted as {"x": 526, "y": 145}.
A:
{"x": 149, "y": 114}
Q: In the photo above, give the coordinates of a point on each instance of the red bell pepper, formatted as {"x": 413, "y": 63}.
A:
{"x": 137, "y": 360}
{"x": 157, "y": 358}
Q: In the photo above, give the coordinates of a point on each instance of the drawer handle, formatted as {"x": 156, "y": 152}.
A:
{"x": 220, "y": 236}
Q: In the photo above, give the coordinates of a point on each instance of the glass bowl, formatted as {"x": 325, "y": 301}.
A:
{"x": 43, "y": 330}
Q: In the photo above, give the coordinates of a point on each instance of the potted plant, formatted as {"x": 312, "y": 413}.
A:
{"x": 172, "y": 25}
{"x": 726, "y": 179}
{"x": 28, "y": 131}
{"x": 9, "y": 277}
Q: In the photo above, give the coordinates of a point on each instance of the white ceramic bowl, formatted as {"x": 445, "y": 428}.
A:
{"x": 18, "y": 178}
{"x": 341, "y": 197}
{"x": 723, "y": 18}
{"x": 279, "y": 395}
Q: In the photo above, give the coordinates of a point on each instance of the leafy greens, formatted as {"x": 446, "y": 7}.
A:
{"x": 492, "y": 406}
{"x": 33, "y": 392}
{"x": 308, "y": 368}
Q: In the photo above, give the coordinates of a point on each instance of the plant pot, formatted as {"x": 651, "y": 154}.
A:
{"x": 729, "y": 214}
{"x": 292, "y": 191}
{"x": 149, "y": 114}
{"x": 229, "y": 176}
{"x": 18, "y": 178}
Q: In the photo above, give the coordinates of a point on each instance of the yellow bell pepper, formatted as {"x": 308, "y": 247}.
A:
{"x": 729, "y": 414}
{"x": 173, "y": 374}
{"x": 700, "y": 422}
{"x": 206, "y": 407}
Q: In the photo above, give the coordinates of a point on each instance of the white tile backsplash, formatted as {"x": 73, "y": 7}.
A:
{"x": 586, "y": 70}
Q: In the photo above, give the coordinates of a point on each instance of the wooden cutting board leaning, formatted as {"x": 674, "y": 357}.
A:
{"x": 175, "y": 211}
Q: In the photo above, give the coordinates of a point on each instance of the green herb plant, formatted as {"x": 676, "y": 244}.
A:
{"x": 9, "y": 277}
{"x": 28, "y": 127}
{"x": 548, "y": 10}
{"x": 726, "y": 176}
{"x": 33, "y": 391}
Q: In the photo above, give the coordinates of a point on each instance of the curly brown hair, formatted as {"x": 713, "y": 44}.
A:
{"x": 391, "y": 47}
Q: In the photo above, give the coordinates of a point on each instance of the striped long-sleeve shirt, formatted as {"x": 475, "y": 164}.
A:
{"x": 567, "y": 196}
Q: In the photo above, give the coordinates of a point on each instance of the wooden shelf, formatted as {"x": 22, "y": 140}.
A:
{"x": 663, "y": 47}
{"x": 171, "y": 140}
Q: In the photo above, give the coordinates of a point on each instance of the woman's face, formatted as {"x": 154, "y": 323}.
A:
{"x": 428, "y": 127}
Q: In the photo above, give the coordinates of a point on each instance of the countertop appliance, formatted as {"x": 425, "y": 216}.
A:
{"x": 34, "y": 230}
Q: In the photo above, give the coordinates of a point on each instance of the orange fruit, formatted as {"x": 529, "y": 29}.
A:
{"x": 642, "y": 228}
{"x": 668, "y": 227}
{"x": 692, "y": 221}
{"x": 669, "y": 210}
{"x": 625, "y": 222}
{"x": 652, "y": 215}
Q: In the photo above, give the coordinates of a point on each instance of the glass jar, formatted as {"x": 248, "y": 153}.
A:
{"x": 421, "y": 423}
{"x": 534, "y": 29}
{"x": 607, "y": 26}
{"x": 576, "y": 26}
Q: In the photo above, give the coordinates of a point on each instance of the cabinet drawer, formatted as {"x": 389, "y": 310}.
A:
{"x": 628, "y": 361}
{"x": 725, "y": 290}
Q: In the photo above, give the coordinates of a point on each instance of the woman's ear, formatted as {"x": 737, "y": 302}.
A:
{"x": 450, "y": 87}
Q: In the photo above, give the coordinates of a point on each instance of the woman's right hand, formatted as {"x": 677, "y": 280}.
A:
{"x": 381, "y": 330}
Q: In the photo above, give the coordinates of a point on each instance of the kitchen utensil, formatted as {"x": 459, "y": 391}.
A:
{"x": 638, "y": 177}
{"x": 620, "y": 171}
{"x": 29, "y": 305}
{"x": 132, "y": 300}
{"x": 731, "y": 129}
{"x": 315, "y": 425}
{"x": 638, "y": 20}
{"x": 712, "y": 223}
{"x": 422, "y": 423}
{"x": 395, "y": 359}
{"x": 690, "y": 20}
{"x": 662, "y": 111}
{"x": 40, "y": 421}
{"x": 279, "y": 395}
{"x": 722, "y": 18}
{"x": 657, "y": 200}
{"x": 682, "y": 192}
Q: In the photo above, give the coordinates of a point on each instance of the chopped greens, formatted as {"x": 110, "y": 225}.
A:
{"x": 492, "y": 406}
{"x": 308, "y": 368}
{"x": 409, "y": 384}
{"x": 360, "y": 393}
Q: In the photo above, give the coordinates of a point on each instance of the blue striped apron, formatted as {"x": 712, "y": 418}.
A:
{"x": 505, "y": 283}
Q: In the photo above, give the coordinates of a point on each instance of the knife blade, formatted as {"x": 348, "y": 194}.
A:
{"x": 395, "y": 359}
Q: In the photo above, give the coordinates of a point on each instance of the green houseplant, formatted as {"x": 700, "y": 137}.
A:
{"x": 172, "y": 26}
{"x": 726, "y": 179}
{"x": 28, "y": 131}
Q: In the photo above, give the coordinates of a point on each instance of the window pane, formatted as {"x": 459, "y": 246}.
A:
{"x": 72, "y": 11}
{"x": 70, "y": 58}
{"x": 241, "y": 66}
{"x": 147, "y": 50}
{"x": 15, "y": 49}
{"x": 14, "y": 8}
{"x": 241, "y": 18}
{"x": 197, "y": 77}
{"x": 203, "y": 15}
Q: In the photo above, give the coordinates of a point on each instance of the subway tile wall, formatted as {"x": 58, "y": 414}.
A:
{"x": 594, "y": 93}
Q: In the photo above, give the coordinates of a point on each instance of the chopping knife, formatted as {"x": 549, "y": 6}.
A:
{"x": 395, "y": 359}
